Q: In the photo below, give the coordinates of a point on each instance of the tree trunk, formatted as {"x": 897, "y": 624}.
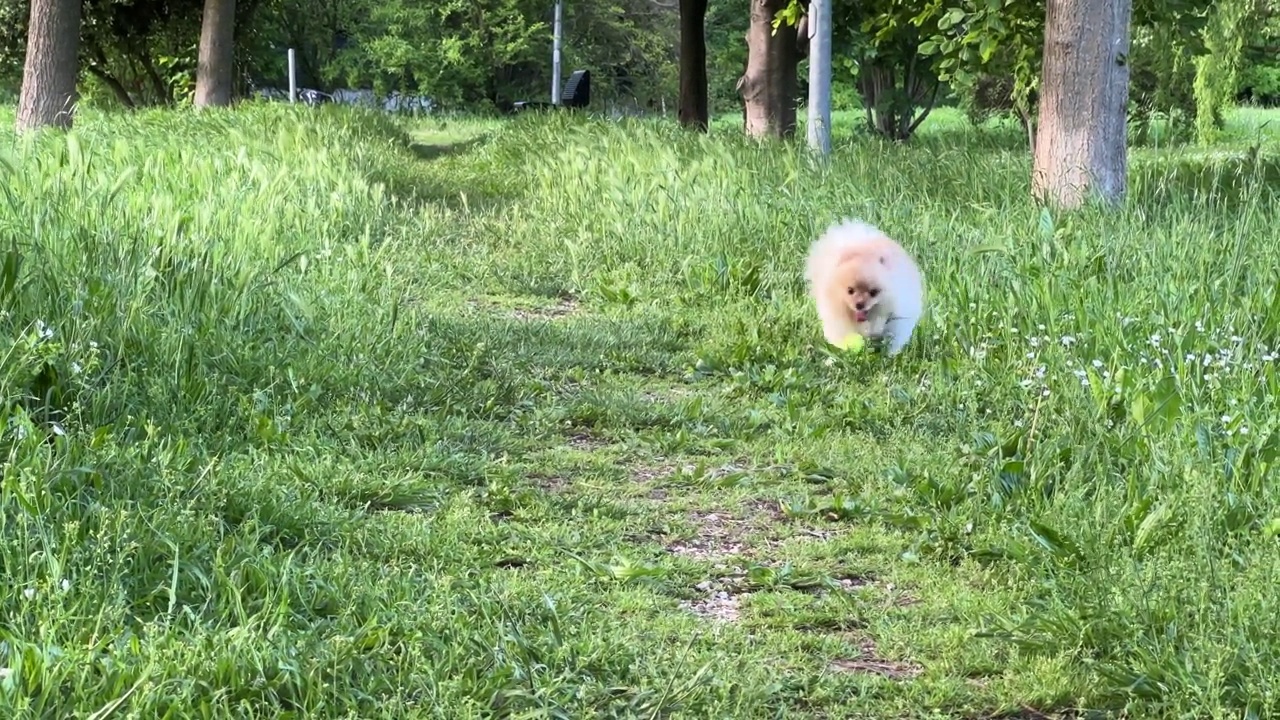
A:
{"x": 1081, "y": 142}
{"x": 214, "y": 68}
{"x": 768, "y": 87}
{"x": 693, "y": 108}
{"x": 117, "y": 88}
{"x": 52, "y": 65}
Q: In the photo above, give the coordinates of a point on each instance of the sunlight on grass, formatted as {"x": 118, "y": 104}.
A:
{"x": 308, "y": 414}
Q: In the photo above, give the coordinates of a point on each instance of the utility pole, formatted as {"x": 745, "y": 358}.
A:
{"x": 819, "y": 130}
{"x": 555, "y": 55}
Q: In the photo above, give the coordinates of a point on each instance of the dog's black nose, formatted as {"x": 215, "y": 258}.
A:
{"x": 858, "y": 305}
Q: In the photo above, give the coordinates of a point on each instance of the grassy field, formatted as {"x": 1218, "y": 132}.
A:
{"x": 308, "y": 415}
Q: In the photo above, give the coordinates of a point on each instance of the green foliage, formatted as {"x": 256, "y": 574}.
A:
{"x": 1259, "y": 74}
{"x": 1217, "y": 70}
{"x": 726, "y": 28}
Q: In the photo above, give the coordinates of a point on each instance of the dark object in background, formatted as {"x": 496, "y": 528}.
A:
{"x": 313, "y": 97}
{"x": 576, "y": 94}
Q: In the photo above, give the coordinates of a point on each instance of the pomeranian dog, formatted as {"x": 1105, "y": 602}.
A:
{"x": 864, "y": 282}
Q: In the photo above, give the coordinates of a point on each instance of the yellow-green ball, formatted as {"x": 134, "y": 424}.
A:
{"x": 853, "y": 342}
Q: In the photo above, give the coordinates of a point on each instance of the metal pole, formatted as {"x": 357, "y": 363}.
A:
{"x": 293, "y": 77}
{"x": 820, "y": 76}
{"x": 555, "y": 56}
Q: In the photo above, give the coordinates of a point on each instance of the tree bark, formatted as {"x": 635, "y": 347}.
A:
{"x": 214, "y": 67}
{"x": 49, "y": 73}
{"x": 768, "y": 87}
{"x": 1081, "y": 142}
{"x": 693, "y": 108}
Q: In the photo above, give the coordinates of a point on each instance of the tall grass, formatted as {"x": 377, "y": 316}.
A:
{"x": 272, "y": 442}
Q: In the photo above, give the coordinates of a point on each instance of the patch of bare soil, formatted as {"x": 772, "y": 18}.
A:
{"x": 1026, "y": 713}
{"x": 646, "y": 473}
{"x": 563, "y": 306}
{"x": 549, "y": 483}
{"x": 719, "y": 535}
{"x": 717, "y": 605}
{"x": 582, "y": 439}
{"x": 869, "y": 662}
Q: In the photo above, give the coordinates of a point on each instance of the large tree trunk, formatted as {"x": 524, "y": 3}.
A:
{"x": 1081, "y": 142}
{"x": 52, "y": 65}
{"x": 693, "y": 110}
{"x": 768, "y": 88}
{"x": 214, "y": 68}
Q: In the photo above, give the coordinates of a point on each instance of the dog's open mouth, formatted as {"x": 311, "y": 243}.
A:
{"x": 860, "y": 315}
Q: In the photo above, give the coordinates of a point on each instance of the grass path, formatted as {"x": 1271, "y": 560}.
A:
{"x": 533, "y": 420}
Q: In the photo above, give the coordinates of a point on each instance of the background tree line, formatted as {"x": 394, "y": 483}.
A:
{"x": 894, "y": 60}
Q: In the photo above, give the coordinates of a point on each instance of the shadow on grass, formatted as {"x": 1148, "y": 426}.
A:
{"x": 417, "y": 183}
{"x": 429, "y": 151}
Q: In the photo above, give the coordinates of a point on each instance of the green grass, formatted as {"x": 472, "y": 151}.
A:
{"x": 307, "y": 416}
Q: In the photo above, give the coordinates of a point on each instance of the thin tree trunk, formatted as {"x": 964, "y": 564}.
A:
{"x": 116, "y": 87}
{"x": 693, "y": 107}
{"x": 98, "y": 68}
{"x": 1081, "y": 142}
{"x": 214, "y": 69}
{"x": 52, "y": 65}
{"x": 768, "y": 87}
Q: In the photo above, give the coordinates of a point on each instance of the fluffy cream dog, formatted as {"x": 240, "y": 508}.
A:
{"x": 864, "y": 282}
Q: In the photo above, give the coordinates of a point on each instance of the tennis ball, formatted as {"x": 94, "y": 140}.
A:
{"x": 853, "y": 342}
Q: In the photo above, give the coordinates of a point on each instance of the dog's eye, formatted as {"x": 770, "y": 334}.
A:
{"x": 875, "y": 292}
{"x": 850, "y": 291}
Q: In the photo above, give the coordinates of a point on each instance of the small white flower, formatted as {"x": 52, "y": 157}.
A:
{"x": 1068, "y": 341}
{"x": 1044, "y": 393}
{"x": 76, "y": 368}
{"x": 65, "y": 584}
{"x": 45, "y": 331}
{"x": 29, "y": 593}
{"x": 1244, "y": 430}
{"x": 1226, "y": 419}
{"x": 1097, "y": 363}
